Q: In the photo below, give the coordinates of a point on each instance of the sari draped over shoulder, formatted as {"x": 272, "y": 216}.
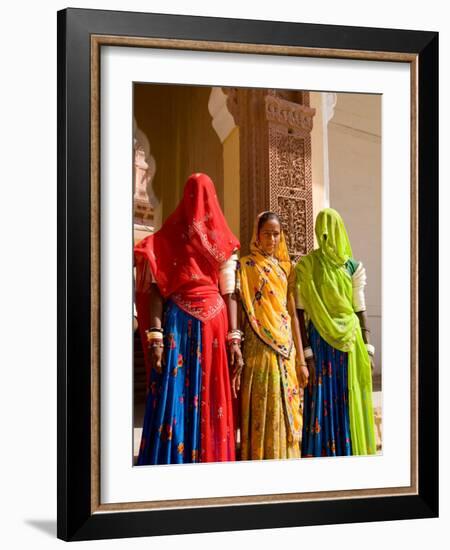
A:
{"x": 269, "y": 355}
{"x": 184, "y": 256}
{"x": 325, "y": 288}
{"x": 263, "y": 287}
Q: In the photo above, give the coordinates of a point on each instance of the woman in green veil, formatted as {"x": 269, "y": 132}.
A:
{"x": 337, "y": 412}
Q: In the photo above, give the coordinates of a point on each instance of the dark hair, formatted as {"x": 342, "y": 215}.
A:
{"x": 266, "y": 217}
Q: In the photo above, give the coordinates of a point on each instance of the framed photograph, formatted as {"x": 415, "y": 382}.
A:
{"x": 247, "y": 274}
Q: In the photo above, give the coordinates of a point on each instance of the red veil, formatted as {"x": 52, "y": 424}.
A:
{"x": 184, "y": 258}
{"x": 185, "y": 254}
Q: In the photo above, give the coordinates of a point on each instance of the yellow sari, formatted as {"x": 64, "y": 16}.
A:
{"x": 271, "y": 419}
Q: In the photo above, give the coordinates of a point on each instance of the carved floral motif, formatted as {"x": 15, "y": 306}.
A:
{"x": 289, "y": 159}
{"x": 294, "y": 224}
{"x": 294, "y": 115}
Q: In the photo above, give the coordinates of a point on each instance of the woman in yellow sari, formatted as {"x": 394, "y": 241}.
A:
{"x": 274, "y": 366}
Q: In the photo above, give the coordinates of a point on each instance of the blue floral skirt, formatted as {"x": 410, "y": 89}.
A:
{"x": 171, "y": 431}
{"x": 326, "y": 422}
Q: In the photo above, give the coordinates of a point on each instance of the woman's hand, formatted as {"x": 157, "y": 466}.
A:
{"x": 237, "y": 364}
{"x": 156, "y": 356}
{"x": 311, "y": 370}
{"x": 303, "y": 376}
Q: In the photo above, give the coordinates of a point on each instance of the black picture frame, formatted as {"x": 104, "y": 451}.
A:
{"x": 76, "y": 518}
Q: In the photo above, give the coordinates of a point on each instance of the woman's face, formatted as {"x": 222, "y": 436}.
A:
{"x": 269, "y": 236}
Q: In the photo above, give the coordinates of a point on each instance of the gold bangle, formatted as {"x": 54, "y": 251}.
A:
{"x": 153, "y": 335}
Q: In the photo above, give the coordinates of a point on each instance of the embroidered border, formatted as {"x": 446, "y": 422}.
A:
{"x": 199, "y": 313}
{"x": 199, "y": 228}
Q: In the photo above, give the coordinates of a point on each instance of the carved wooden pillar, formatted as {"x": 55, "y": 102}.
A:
{"x": 275, "y": 161}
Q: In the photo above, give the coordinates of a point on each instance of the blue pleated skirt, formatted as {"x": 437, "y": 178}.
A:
{"x": 326, "y": 423}
{"x": 171, "y": 430}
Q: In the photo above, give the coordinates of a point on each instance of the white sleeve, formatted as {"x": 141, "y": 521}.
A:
{"x": 227, "y": 275}
{"x": 359, "y": 282}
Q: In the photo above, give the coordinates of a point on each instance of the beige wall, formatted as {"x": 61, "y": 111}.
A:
{"x": 231, "y": 203}
{"x": 354, "y": 138}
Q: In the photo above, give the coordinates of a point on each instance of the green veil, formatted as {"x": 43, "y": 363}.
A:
{"x": 325, "y": 287}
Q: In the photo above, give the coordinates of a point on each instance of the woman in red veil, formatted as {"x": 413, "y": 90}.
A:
{"x": 183, "y": 320}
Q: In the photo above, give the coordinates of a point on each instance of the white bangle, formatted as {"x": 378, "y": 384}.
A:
{"x": 308, "y": 352}
{"x": 234, "y": 334}
{"x": 370, "y": 349}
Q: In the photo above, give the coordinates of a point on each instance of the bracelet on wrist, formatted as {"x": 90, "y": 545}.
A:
{"x": 153, "y": 335}
{"x": 370, "y": 349}
{"x": 308, "y": 352}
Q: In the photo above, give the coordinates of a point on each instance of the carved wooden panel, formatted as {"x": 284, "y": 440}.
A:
{"x": 290, "y": 125}
{"x": 287, "y": 160}
{"x": 294, "y": 221}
